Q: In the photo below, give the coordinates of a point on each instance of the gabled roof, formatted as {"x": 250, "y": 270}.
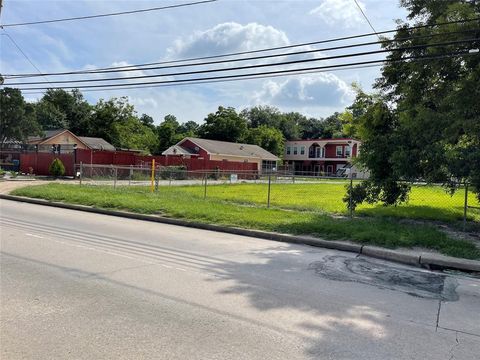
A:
{"x": 178, "y": 150}
{"x": 215, "y": 147}
{"x": 97, "y": 143}
{"x": 90, "y": 142}
{"x": 48, "y": 134}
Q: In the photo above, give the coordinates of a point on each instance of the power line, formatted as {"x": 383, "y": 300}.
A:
{"x": 199, "y": 82}
{"x": 239, "y": 68}
{"x": 287, "y": 71}
{"x": 143, "y": 68}
{"x": 23, "y": 53}
{"x": 126, "y": 67}
{"x": 366, "y": 18}
{"x": 108, "y": 14}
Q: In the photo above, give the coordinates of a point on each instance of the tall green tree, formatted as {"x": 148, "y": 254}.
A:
{"x": 225, "y": 125}
{"x": 75, "y": 109}
{"x": 311, "y": 128}
{"x": 49, "y": 116}
{"x": 147, "y": 121}
{"x": 134, "y": 134}
{"x": 189, "y": 128}
{"x": 332, "y": 126}
{"x": 17, "y": 117}
{"x": 289, "y": 125}
{"x": 262, "y": 115}
{"x": 426, "y": 122}
{"x": 269, "y": 138}
{"x": 168, "y": 133}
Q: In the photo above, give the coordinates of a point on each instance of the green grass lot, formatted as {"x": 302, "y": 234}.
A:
{"x": 186, "y": 203}
{"x": 426, "y": 202}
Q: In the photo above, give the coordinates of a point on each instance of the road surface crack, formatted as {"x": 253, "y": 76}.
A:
{"x": 457, "y": 343}
{"x": 438, "y": 314}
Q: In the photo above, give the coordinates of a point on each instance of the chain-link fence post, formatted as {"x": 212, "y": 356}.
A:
{"x": 157, "y": 180}
{"x": 350, "y": 192}
{"x": 465, "y": 207}
{"x": 81, "y": 172}
{"x": 205, "y": 189}
{"x": 114, "y": 177}
{"x": 269, "y": 186}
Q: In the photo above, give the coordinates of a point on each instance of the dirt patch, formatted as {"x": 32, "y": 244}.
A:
{"x": 6, "y": 186}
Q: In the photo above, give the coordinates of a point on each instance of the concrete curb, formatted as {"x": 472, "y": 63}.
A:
{"x": 420, "y": 260}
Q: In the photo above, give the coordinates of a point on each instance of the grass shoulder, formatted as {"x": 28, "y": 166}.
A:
{"x": 386, "y": 232}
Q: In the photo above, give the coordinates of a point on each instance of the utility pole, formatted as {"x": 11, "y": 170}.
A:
{"x": 1, "y": 5}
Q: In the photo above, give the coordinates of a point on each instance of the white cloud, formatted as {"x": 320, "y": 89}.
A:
{"x": 228, "y": 37}
{"x": 320, "y": 90}
{"x": 339, "y": 12}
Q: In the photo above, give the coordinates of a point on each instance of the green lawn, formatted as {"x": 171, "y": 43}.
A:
{"x": 183, "y": 202}
{"x": 426, "y": 202}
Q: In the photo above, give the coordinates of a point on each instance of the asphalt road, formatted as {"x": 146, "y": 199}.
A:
{"x": 84, "y": 286}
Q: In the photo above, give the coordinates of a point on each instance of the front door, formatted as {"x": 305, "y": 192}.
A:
{"x": 316, "y": 170}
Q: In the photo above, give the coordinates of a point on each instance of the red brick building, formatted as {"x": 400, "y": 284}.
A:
{"x": 321, "y": 156}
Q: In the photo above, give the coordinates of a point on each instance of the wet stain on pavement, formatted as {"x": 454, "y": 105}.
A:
{"x": 421, "y": 283}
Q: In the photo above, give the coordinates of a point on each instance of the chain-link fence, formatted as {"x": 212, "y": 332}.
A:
{"x": 284, "y": 190}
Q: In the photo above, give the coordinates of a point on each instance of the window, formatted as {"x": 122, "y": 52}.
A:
{"x": 318, "y": 152}
{"x": 347, "y": 150}
{"x": 288, "y": 150}
{"x": 295, "y": 150}
{"x": 339, "y": 151}
{"x": 302, "y": 150}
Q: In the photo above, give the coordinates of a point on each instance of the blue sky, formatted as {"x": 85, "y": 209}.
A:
{"x": 220, "y": 27}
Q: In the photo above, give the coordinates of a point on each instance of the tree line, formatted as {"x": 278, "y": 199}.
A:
{"x": 116, "y": 121}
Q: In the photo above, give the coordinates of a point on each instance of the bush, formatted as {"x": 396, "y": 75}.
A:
{"x": 57, "y": 168}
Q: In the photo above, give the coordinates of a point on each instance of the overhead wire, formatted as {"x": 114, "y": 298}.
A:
{"x": 23, "y": 53}
{"x": 107, "y": 14}
{"x": 125, "y": 67}
{"x": 285, "y": 71}
{"x": 254, "y": 66}
{"x": 366, "y": 18}
{"x": 303, "y": 52}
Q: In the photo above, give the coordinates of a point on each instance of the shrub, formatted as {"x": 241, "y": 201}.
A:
{"x": 57, "y": 168}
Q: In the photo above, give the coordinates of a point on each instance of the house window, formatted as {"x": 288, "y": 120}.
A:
{"x": 295, "y": 150}
{"x": 318, "y": 152}
{"x": 347, "y": 151}
{"x": 288, "y": 150}
{"x": 339, "y": 151}
{"x": 302, "y": 150}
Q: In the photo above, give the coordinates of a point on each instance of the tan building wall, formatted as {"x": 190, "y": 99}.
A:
{"x": 64, "y": 139}
{"x": 238, "y": 159}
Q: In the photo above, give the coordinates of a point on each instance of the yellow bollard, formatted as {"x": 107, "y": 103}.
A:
{"x": 153, "y": 176}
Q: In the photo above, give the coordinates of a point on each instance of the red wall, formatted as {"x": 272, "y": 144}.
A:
{"x": 40, "y": 162}
{"x": 330, "y": 150}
